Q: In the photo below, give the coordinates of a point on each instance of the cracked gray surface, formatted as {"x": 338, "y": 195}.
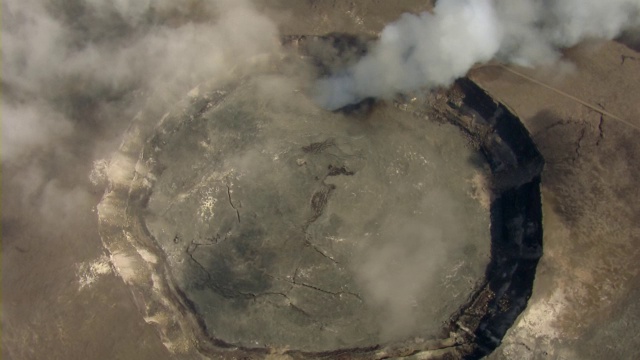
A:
{"x": 285, "y": 215}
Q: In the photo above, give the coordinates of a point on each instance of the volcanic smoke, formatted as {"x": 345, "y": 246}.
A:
{"x": 433, "y": 49}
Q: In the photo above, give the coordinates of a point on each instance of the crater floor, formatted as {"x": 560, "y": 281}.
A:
{"x": 290, "y": 226}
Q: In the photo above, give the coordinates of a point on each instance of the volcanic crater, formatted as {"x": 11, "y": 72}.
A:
{"x": 254, "y": 223}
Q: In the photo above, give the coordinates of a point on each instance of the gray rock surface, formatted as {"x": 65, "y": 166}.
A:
{"x": 289, "y": 226}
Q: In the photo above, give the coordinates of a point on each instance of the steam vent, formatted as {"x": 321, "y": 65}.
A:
{"x": 249, "y": 224}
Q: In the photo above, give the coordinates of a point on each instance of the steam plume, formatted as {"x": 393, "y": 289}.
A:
{"x": 75, "y": 72}
{"x": 430, "y": 50}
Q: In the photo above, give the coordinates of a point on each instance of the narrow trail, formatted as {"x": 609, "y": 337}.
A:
{"x": 562, "y": 93}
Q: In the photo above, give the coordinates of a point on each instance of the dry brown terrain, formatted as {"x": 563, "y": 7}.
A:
{"x": 586, "y": 125}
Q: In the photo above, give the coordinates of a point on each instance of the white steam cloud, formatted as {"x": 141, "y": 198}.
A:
{"x": 433, "y": 49}
{"x": 75, "y": 72}
{"x": 397, "y": 270}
